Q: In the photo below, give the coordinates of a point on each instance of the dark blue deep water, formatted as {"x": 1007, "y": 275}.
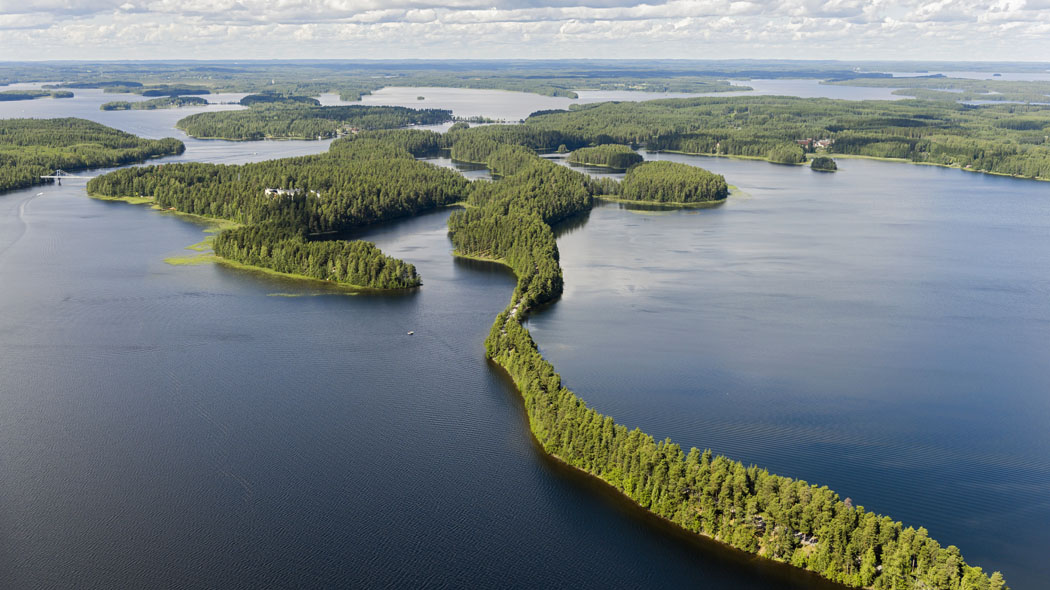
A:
{"x": 884, "y": 330}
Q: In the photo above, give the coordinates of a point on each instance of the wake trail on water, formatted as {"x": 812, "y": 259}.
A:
{"x": 22, "y": 224}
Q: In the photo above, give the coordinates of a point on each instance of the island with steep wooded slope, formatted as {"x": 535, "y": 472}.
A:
{"x": 511, "y": 220}
{"x": 610, "y": 155}
{"x": 31, "y": 148}
{"x": 673, "y": 183}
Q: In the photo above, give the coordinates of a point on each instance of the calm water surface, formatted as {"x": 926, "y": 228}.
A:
{"x": 882, "y": 330}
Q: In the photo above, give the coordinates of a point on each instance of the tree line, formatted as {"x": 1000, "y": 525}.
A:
{"x": 31, "y": 148}
{"x": 1011, "y": 139}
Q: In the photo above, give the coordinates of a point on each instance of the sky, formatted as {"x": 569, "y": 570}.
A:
{"x": 978, "y": 30}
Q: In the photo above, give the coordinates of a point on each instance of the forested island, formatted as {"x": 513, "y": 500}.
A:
{"x": 293, "y": 121}
{"x": 277, "y": 98}
{"x": 164, "y": 102}
{"x": 1010, "y": 139}
{"x": 12, "y": 95}
{"x": 31, "y": 148}
{"x": 292, "y": 208}
{"x": 616, "y": 156}
{"x": 673, "y": 183}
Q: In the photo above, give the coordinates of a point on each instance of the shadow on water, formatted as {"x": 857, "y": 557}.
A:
{"x": 488, "y": 267}
{"x": 300, "y": 286}
{"x": 661, "y": 208}
{"x": 777, "y": 574}
{"x": 571, "y": 224}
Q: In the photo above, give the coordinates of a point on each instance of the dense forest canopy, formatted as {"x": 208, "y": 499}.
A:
{"x": 290, "y": 206}
{"x": 1009, "y": 139}
{"x": 671, "y": 182}
{"x": 285, "y": 121}
{"x": 31, "y": 148}
{"x": 611, "y": 155}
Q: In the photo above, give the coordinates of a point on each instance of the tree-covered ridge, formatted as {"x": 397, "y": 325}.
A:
{"x": 745, "y": 507}
{"x": 281, "y": 121}
{"x": 672, "y": 182}
{"x": 290, "y": 205}
{"x": 1006, "y": 139}
{"x": 31, "y": 148}
{"x": 611, "y": 155}
{"x": 164, "y": 102}
{"x": 12, "y": 95}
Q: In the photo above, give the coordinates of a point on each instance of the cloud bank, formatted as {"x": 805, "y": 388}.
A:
{"x": 376, "y": 29}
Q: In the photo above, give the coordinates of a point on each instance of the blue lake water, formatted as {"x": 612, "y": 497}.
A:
{"x": 883, "y": 330}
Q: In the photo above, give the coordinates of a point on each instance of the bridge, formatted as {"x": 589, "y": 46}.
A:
{"x": 58, "y": 175}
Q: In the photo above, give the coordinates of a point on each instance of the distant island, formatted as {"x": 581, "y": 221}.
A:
{"x": 616, "y": 156}
{"x": 295, "y": 121}
{"x": 165, "y": 102}
{"x": 12, "y": 95}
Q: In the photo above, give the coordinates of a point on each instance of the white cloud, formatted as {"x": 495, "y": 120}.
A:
{"x": 849, "y": 29}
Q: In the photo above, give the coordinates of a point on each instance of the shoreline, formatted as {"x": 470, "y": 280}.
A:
{"x": 857, "y": 157}
{"x": 606, "y": 487}
{"x": 668, "y": 204}
{"x": 207, "y": 256}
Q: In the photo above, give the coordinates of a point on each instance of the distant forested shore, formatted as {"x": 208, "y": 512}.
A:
{"x": 31, "y": 148}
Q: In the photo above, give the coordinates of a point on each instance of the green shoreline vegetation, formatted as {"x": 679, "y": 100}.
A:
{"x": 31, "y": 148}
{"x": 370, "y": 177}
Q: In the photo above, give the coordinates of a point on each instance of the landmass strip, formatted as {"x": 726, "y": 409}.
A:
{"x": 510, "y": 220}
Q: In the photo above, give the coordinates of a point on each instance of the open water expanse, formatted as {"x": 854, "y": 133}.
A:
{"x": 884, "y": 330}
